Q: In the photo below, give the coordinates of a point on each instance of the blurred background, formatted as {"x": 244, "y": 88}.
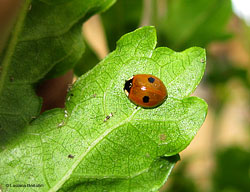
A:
{"x": 218, "y": 159}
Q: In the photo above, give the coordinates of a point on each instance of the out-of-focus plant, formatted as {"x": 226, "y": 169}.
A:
{"x": 232, "y": 170}
{"x": 193, "y": 22}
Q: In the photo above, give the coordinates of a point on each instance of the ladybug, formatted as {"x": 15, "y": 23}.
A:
{"x": 145, "y": 90}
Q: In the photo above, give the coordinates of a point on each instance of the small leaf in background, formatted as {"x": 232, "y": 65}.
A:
{"x": 121, "y": 18}
{"x": 88, "y": 60}
{"x": 194, "y": 22}
{"x": 46, "y": 39}
{"x": 76, "y": 149}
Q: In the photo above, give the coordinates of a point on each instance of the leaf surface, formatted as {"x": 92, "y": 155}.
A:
{"x": 124, "y": 152}
{"x": 46, "y": 38}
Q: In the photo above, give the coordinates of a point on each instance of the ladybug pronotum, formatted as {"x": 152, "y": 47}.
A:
{"x": 145, "y": 90}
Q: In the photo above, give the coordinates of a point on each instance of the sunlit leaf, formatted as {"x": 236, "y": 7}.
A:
{"x": 76, "y": 149}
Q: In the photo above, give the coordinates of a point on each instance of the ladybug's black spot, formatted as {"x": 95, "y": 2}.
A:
{"x": 128, "y": 85}
{"x": 145, "y": 99}
{"x": 151, "y": 80}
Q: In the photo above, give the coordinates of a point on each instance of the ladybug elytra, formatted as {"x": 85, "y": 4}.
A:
{"x": 145, "y": 90}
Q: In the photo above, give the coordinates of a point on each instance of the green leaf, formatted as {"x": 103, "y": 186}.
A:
{"x": 147, "y": 180}
{"x": 194, "y": 22}
{"x": 46, "y": 38}
{"x": 125, "y": 152}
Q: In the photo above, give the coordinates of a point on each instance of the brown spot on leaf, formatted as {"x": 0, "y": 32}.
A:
{"x": 163, "y": 137}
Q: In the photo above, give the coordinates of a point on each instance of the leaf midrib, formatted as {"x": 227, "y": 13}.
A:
{"x": 60, "y": 183}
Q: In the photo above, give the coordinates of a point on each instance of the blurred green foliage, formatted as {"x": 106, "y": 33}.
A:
{"x": 222, "y": 70}
{"x": 183, "y": 23}
{"x": 194, "y": 23}
{"x": 219, "y": 72}
{"x": 121, "y": 18}
{"x": 231, "y": 173}
{"x": 232, "y": 170}
{"x": 246, "y": 35}
{"x": 181, "y": 182}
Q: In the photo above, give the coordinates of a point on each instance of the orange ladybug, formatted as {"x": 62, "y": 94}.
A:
{"x": 145, "y": 90}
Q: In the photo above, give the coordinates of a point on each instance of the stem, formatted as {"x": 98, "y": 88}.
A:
{"x": 146, "y": 13}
